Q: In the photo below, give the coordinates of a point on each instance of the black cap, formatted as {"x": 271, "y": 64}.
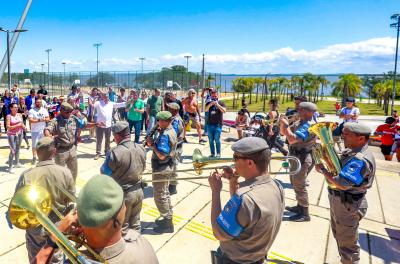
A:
{"x": 350, "y": 100}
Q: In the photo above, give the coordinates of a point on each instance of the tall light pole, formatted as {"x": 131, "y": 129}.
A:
{"x": 97, "y": 45}
{"x": 395, "y": 17}
{"x": 8, "y": 52}
{"x": 63, "y": 84}
{"x": 142, "y": 59}
{"x": 42, "y": 81}
{"x": 48, "y": 68}
{"x": 187, "y": 57}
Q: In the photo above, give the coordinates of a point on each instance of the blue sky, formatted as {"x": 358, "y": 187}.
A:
{"x": 237, "y": 36}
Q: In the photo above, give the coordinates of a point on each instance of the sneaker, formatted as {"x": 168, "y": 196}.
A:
{"x": 33, "y": 162}
{"x": 96, "y": 157}
{"x": 218, "y": 156}
{"x": 18, "y": 165}
{"x": 294, "y": 209}
{"x": 184, "y": 140}
{"x": 202, "y": 141}
{"x": 212, "y": 156}
{"x": 10, "y": 170}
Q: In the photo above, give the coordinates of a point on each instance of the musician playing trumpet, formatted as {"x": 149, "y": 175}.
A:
{"x": 300, "y": 145}
{"x": 248, "y": 224}
{"x": 163, "y": 160}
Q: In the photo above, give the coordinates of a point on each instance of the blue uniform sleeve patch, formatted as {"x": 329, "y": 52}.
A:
{"x": 163, "y": 144}
{"x": 302, "y": 131}
{"x": 227, "y": 219}
{"x": 352, "y": 171}
{"x": 80, "y": 122}
{"x": 175, "y": 125}
{"x": 105, "y": 169}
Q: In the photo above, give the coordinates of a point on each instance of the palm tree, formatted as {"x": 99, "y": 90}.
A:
{"x": 209, "y": 79}
{"x": 383, "y": 90}
{"x": 324, "y": 82}
{"x": 242, "y": 85}
{"x": 257, "y": 82}
{"x": 347, "y": 85}
{"x": 296, "y": 83}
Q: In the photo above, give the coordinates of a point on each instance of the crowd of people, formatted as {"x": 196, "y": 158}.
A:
{"x": 109, "y": 205}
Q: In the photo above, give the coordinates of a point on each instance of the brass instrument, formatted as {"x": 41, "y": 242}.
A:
{"x": 200, "y": 162}
{"x": 324, "y": 152}
{"x": 30, "y": 207}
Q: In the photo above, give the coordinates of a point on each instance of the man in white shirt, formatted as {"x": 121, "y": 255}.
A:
{"x": 104, "y": 110}
{"x": 38, "y": 116}
{"x": 350, "y": 113}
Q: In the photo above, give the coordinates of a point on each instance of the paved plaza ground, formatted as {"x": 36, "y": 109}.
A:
{"x": 310, "y": 242}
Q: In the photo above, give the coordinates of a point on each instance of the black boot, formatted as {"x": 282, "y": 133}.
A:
{"x": 302, "y": 216}
{"x": 164, "y": 226}
{"x": 172, "y": 189}
{"x": 294, "y": 209}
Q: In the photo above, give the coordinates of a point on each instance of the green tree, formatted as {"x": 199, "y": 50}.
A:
{"x": 347, "y": 85}
{"x": 104, "y": 79}
{"x": 209, "y": 79}
{"x": 324, "y": 82}
{"x": 258, "y": 81}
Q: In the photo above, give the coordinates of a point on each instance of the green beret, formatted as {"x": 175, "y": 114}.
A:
{"x": 66, "y": 106}
{"x": 164, "y": 115}
{"x": 99, "y": 201}
{"x": 119, "y": 126}
{"x": 308, "y": 106}
{"x": 357, "y": 128}
{"x": 249, "y": 145}
{"x": 44, "y": 143}
{"x": 174, "y": 106}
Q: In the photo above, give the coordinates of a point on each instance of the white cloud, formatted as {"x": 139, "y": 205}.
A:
{"x": 370, "y": 56}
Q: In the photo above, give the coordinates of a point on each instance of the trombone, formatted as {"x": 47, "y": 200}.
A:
{"x": 200, "y": 163}
{"x": 30, "y": 207}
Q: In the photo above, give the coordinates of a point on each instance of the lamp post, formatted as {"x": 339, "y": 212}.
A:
{"x": 48, "y": 68}
{"x": 142, "y": 59}
{"x": 63, "y": 84}
{"x": 187, "y": 57}
{"x": 8, "y": 52}
{"x": 97, "y": 45}
{"x": 42, "y": 80}
{"x": 395, "y": 17}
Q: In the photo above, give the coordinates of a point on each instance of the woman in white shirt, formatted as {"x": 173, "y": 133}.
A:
{"x": 350, "y": 113}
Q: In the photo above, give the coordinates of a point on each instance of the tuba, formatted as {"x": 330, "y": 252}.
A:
{"x": 324, "y": 152}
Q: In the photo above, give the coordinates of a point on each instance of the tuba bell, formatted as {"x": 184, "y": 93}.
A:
{"x": 324, "y": 152}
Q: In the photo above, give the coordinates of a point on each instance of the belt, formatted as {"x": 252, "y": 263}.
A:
{"x": 216, "y": 258}
{"x": 346, "y": 196}
{"x": 132, "y": 188}
{"x": 65, "y": 147}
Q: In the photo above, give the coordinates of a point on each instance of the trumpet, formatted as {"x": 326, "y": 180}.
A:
{"x": 200, "y": 163}
{"x": 30, "y": 207}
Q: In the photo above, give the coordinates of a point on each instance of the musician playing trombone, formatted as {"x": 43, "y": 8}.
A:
{"x": 99, "y": 217}
{"x": 300, "y": 145}
{"x": 162, "y": 160}
{"x": 347, "y": 200}
{"x": 248, "y": 224}
{"x": 48, "y": 175}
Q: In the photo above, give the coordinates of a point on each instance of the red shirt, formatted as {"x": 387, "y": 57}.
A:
{"x": 388, "y": 134}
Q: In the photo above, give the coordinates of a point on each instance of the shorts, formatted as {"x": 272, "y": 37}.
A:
{"x": 191, "y": 116}
{"x": 386, "y": 149}
{"x": 35, "y": 138}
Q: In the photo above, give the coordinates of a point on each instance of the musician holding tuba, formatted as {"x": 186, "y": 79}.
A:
{"x": 300, "y": 145}
{"x": 48, "y": 175}
{"x": 249, "y": 223}
{"x": 162, "y": 161}
{"x": 348, "y": 204}
{"x": 99, "y": 217}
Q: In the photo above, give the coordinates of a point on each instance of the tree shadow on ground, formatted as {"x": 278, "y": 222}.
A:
{"x": 230, "y": 139}
{"x": 284, "y": 184}
{"x": 386, "y": 249}
{"x": 148, "y": 192}
{"x": 85, "y": 156}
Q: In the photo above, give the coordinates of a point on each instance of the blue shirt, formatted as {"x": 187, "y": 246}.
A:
{"x": 29, "y": 101}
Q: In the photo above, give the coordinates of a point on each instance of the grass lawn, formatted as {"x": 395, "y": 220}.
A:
{"x": 327, "y": 107}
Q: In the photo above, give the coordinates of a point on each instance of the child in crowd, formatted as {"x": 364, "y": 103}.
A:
{"x": 242, "y": 122}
